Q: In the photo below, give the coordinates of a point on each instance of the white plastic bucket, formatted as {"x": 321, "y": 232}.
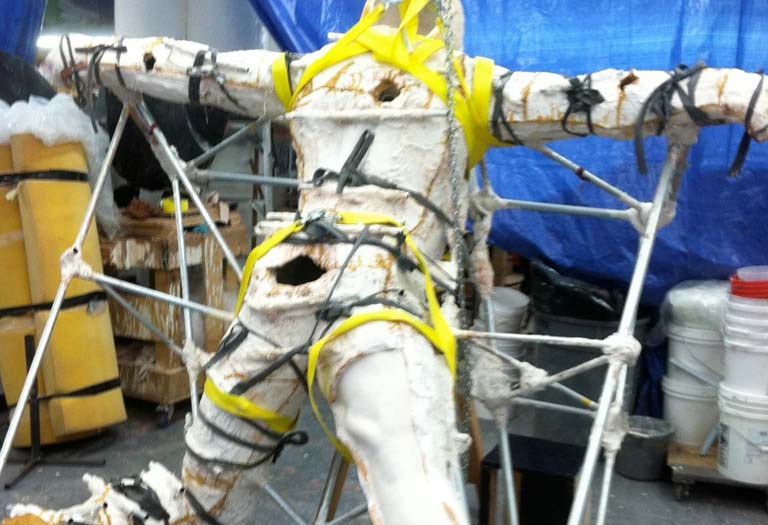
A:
{"x": 746, "y": 366}
{"x": 690, "y": 409}
{"x": 747, "y": 325}
{"x": 509, "y": 308}
{"x": 743, "y": 451}
{"x": 701, "y": 351}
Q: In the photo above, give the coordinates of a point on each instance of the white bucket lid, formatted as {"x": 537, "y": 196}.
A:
{"x": 684, "y": 389}
{"x": 743, "y": 344}
{"x": 754, "y": 404}
{"x": 756, "y": 324}
{"x": 746, "y": 303}
{"x": 696, "y": 334}
{"x": 753, "y": 273}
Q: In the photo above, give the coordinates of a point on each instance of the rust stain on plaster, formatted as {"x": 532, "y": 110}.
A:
{"x": 526, "y": 94}
{"x": 721, "y": 87}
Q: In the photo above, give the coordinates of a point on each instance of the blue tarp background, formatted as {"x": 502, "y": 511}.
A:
{"x": 20, "y": 22}
{"x": 721, "y": 222}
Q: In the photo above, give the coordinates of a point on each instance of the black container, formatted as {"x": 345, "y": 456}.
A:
{"x": 643, "y": 455}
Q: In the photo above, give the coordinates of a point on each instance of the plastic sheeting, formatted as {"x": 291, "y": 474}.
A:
{"x": 20, "y": 22}
{"x": 719, "y": 225}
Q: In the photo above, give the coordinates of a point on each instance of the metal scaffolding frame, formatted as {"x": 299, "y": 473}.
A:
{"x": 619, "y": 350}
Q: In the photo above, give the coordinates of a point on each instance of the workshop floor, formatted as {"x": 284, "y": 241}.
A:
{"x": 300, "y": 473}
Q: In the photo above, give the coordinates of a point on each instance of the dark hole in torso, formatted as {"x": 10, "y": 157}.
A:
{"x": 300, "y": 270}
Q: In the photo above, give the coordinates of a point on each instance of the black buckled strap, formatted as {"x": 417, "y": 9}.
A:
{"x": 243, "y": 386}
{"x": 232, "y": 340}
{"x": 67, "y": 303}
{"x": 231, "y": 437}
{"x": 297, "y": 438}
{"x": 137, "y": 491}
{"x": 746, "y": 139}
{"x": 196, "y": 73}
{"x": 659, "y": 103}
{"x": 498, "y": 112}
{"x": 581, "y": 98}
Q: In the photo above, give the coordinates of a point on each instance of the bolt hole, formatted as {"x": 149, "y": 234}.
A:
{"x": 386, "y": 91}
{"x": 301, "y": 270}
{"x": 149, "y": 61}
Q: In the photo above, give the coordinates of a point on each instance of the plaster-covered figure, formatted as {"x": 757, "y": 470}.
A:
{"x": 390, "y": 388}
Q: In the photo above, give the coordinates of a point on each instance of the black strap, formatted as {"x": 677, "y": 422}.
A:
{"x": 581, "y": 98}
{"x": 67, "y": 303}
{"x": 99, "y": 388}
{"x": 70, "y": 69}
{"x": 61, "y": 175}
{"x": 118, "y": 53}
{"x": 659, "y": 103}
{"x": 196, "y": 73}
{"x": 94, "y": 73}
{"x": 137, "y": 491}
{"x": 199, "y": 509}
{"x": 746, "y": 139}
{"x": 231, "y": 340}
{"x": 498, "y": 112}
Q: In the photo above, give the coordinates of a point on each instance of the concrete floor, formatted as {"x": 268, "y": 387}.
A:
{"x": 300, "y": 473}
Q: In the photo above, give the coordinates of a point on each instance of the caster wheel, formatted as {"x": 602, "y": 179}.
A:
{"x": 164, "y": 416}
{"x": 682, "y": 491}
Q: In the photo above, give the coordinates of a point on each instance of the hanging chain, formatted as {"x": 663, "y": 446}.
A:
{"x": 457, "y": 200}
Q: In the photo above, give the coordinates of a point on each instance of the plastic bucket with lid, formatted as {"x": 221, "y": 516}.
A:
{"x": 510, "y": 307}
{"x": 746, "y": 366}
{"x": 690, "y": 409}
{"x": 699, "y": 350}
{"x": 747, "y": 324}
{"x": 753, "y": 273}
{"x": 743, "y": 451}
{"x": 750, "y": 289}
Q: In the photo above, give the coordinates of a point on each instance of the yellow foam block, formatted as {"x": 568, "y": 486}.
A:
{"x": 13, "y": 363}
{"x": 31, "y": 155}
{"x": 6, "y": 159}
{"x": 47, "y": 436}
{"x": 51, "y": 213}
{"x": 81, "y": 352}
{"x": 14, "y": 280}
{"x": 74, "y": 415}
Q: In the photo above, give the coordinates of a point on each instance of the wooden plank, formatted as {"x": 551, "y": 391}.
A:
{"x": 678, "y": 454}
{"x": 140, "y": 379}
{"x": 161, "y": 225}
{"x": 168, "y": 318}
{"x": 213, "y": 278}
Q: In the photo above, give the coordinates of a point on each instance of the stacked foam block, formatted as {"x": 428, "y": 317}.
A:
{"x": 43, "y": 197}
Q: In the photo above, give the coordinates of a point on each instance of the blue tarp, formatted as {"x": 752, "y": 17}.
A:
{"x": 720, "y": 223}
{"x": 20, "y": 22}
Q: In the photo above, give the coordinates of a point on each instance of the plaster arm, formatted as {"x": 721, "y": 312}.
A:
{"x": 158, "y": 67}
{"x": 534, "y": 104}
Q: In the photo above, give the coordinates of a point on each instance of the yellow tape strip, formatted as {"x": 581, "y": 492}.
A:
{"x": 471, "y": 106}
{"x": 241, "y": 407}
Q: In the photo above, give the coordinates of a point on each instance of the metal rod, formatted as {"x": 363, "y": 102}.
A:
{"x": 553, "y": 406}
{"x": 171, "y": 163}
{"x": 531, "y": 338}
{"x": 588, "y": 176}
{"x": 102, "y": 177}
{"x": 605, "y": 493}
{"x": 566, "y": 209}
{"x": 135, "y": 289}
{"x": 184, "y": 278}
{"x": 711, "y": 437}
{"x": 674, "y": 166}
{"x": 509, "y": 474}
{"x": 582, "y": 399}
{"x": 594, "y": 444}
{"x": 225, "y": 176}
{"x": 31, "y": 379}
{"x": 233, "y": 138}
{"x": 166, "y": 340}
{"x": 352, "y": 514}
{"x": 564, "y": 374}
{"x": 337, "y": 463}
{"x": 501, "y": 428}
{"x": 284, "y": 505}
{"x": 265, "y": 165}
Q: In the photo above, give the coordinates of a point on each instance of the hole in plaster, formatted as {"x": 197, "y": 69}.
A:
{"x": 149, "y": 61}
{"x": 301, "y": 270}
{"x": 386, "y": 91}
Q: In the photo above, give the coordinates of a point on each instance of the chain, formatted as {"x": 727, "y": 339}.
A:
{"x": 456, "y": 172}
